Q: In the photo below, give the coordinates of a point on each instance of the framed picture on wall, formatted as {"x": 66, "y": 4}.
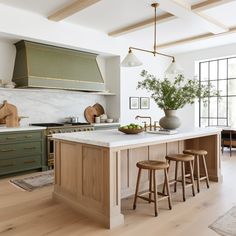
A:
{"x": 133, "y": 103}
{"x": 145, "y": 103}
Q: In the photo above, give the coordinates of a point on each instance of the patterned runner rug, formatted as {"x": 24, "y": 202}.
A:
{"x": 226, "y": 225}
{"x": 33, "y": 182}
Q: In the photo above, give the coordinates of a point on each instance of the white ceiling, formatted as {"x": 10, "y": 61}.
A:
{"x": 109, "y": 15}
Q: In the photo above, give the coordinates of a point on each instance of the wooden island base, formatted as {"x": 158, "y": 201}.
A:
{"x": 93, "y": 179}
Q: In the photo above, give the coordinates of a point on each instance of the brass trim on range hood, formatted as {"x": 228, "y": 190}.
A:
{"x": 47, "y": 66}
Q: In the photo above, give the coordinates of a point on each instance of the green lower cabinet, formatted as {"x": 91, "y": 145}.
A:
{"x": 20, "y": 164}
{"x": 22, "y": 151}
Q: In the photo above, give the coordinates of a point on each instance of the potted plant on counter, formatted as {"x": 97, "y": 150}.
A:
{"x": 170, "y": 95}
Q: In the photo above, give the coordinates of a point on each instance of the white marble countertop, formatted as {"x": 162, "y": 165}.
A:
{"x": 21, "y": 128}
{"x": 114, "y": 138}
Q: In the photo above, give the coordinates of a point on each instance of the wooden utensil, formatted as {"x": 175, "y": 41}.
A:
{"x": 90, "y": 113}
{"x": 99, "y": 108}
{"x": 8, "y": 113}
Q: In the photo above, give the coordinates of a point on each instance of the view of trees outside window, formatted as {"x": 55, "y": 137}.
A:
{"x": 219, "y": 110}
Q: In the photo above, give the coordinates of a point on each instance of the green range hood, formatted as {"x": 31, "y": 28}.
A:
{"x": 45, "y": 66}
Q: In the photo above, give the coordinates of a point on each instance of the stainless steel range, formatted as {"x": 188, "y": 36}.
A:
{"x": 53, "y": 128}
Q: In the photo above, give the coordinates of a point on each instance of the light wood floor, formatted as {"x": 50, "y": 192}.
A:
{"x": 34, "y": 213}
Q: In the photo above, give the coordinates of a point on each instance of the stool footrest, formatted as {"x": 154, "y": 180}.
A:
{"x": 163, "y": 196}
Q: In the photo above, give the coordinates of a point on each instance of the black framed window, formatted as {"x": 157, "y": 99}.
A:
{"x": 219, "y": 110}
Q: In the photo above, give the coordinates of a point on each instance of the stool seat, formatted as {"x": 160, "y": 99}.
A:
{"x": 180, "y": 157}
{"x": 195, "y": 152}
{"x": 200, "y": 155}
{"x": 152, "y": 165}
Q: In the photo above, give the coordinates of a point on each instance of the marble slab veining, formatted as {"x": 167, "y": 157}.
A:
{"x": 49, "y": 106}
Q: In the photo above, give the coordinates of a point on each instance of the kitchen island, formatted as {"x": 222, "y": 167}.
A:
{"x": 95, "y": 170}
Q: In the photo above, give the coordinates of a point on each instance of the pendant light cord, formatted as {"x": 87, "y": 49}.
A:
{"x": 155, "y": 31}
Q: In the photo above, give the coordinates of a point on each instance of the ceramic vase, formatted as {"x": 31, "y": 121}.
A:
{"x": 170, "y": 120}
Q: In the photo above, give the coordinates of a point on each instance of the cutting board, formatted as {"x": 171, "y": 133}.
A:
{"x": 99, "y": 108}
{"x": 90, "y": 113}
{"x": 9, "y": 114}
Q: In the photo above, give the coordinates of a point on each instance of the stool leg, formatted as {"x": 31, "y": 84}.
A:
{"x": 191, "y": 176}
{"x": 176, "y": 176}
{"x": 168, "y": 188}
{"x": 164, "y": 185}
{"x": 150, "y": 185}
{"x": 137, "y": 187}
{"x": 155, "y": 192}
{"x": 198, "y": 173}
{"x": 183, "y": 179}
{"x": 206, "y": 172}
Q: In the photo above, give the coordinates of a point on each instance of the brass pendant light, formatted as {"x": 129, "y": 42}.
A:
{"x": 131, "y": 60}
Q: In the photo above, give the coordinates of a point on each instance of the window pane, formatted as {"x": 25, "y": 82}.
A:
{"x": 204, "y": 71}
{"x": 213, "y": 122}
{"x": 232, "y": 111}
{"x": 232, "y": 87}
{"x": 204, "y": 122}
{"x": 222, "y": 87}
{"x": 213, "y": 107}
{"x": 213, "y": 70}
{"x": 232, "y": 68}
{"x": 214, "y": 87}
{"x": 222, "y": 112}
{"x": 222, "y": 69}
{"x": 222, "y": 122}
{"x": 204, "y": 109}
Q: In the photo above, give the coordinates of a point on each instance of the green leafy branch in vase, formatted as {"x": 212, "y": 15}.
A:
{"x": 174, "y": 94}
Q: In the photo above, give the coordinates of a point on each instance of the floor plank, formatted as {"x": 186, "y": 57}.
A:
{"x": 35, "y": 213}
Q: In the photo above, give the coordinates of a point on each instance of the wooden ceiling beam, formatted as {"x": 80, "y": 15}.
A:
{"x": 183, "y": 10}
{"x": 71, "y": 9}
{"x": 208, "y": 4}
{"x": 141, "y": 25}
{"x": 195, "y": 38}
{"x": 166, "y": 17}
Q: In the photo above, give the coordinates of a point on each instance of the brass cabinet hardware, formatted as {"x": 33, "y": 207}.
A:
{"x": 8, "y": 150}
{"x": 11, "y": 137}
{"x": 8, "y": 165}
{"x": 29, "y": 162}
{"x": 28, "y": 136}
{"x": 29, "y": 148}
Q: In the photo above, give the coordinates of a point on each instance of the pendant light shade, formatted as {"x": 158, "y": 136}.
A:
{"x": 173, "y": 69}
{"x": 131, "y": 60}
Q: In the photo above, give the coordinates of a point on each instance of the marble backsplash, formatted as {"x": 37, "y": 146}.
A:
{"x": 49, "y": 105}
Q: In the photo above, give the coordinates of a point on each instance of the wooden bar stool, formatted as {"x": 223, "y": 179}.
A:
{"x": 199, "y": 154}
{"x": 183, "y": 159}
{"x": 152, "y": 166}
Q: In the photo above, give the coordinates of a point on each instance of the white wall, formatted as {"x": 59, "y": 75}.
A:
{"x": 189, "y": 114}
{"x": 129, "y": 81}
{"x": 7, "y": 59}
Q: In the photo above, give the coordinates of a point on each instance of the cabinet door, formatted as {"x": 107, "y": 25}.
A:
{"x": 14, "y": 150}
{"x": 11, "y": 137}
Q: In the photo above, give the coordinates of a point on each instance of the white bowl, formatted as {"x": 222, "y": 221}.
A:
{"x": 109, "y": 120}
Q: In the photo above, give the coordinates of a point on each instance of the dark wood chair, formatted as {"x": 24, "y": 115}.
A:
{"x": 228, "y": 139}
